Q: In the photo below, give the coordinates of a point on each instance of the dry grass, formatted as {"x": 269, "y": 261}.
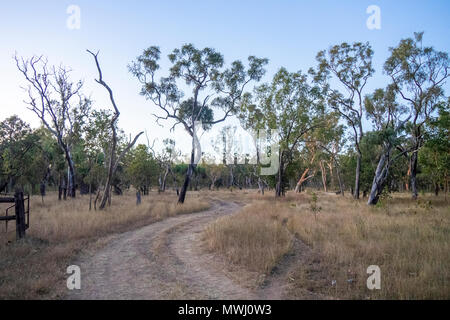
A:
{"x": 34, "y": 267}
{"x": 409, "y": 240}
{"x": 257, "y": 243}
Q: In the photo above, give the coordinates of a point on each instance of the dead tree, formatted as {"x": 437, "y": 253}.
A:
{"x": 114, "y": 159}
{"x": 51, "y": 93}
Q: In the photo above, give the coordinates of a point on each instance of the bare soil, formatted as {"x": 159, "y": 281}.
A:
{"x": 166, "y": 260}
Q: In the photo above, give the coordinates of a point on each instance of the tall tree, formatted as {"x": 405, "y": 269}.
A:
{"x": 51, "y": 97}
{"x": 202, "y": 72}
{"x": 288, "y": 104}
{"x": 351, "y": 67}
{"x": 418, "y": 74}
{"x": 114, "y": 156}
{"x": 385, "y": 114}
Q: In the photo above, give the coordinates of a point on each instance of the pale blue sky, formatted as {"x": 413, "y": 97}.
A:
{"x": 289, "y": 33}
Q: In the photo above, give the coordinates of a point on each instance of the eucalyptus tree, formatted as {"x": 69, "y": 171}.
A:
{"x": 343, "y": 72}
{"x": 418, "y": 74}
{"x": 292, "y": 107}
{"x": 386, "y": 116}
{"x": 58, "y": 103}
{"x": 212, "y": 87}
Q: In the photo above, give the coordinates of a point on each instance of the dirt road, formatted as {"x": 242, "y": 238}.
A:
{"x": 164, "y": 261}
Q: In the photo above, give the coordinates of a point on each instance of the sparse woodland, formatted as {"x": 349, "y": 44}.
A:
{"x": 363, "y": 176}
{"x": 319, "y": 114}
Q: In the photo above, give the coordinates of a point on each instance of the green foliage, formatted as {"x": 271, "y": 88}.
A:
{"x": 384, "y": 200}
{"x": 315, "y": 209}
{"x": 18, "y": 147}
{"x": 142, "y": 168}
{"x": 434, "y": 157}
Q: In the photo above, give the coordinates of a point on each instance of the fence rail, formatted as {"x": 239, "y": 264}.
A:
{"x": 22, "y": 215}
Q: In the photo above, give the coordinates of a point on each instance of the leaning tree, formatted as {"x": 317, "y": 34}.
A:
{"x": 201, "y": 72}
{"x": 388, "y": 118}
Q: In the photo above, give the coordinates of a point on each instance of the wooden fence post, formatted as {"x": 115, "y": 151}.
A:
{"x": 20, "y": 215}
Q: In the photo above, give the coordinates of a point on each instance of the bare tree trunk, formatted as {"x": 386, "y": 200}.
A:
{"x": 357, "y": 174}
{"x": 231, "y": 176}
{"x": 175, "y": 183}
{"x": 107, "y": 188}
{"x": 193, "y": 163}
{"x": 408, "y": 176}
{"x": 260, "y": 186}
{"x": 324, "y": 175}
{"x": 279, "y": 190}
{"x": 303, "y": 179}
{"x": 163, "y": 183}
{"x": 338, "y": 173}
{"x": 187, "y": 179}
{"x": 332, "y": 181}
{"x": 90, "y": 196}
{"x": 113, "y": 162}
{"x": 71, "y": 178}
{"x": 44, "y": 183}
{"x": 213, "y": 182}
{"x": 62, "y": 188}
{"x": 413, "y": 174}
{"x": 380, "y": 178}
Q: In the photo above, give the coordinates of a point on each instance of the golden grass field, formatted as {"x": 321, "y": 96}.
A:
{"x": 59, "y": 230}
{"x": 409, "y": 240}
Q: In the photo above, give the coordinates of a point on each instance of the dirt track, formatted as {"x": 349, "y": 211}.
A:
{"x": 164, "y": 261}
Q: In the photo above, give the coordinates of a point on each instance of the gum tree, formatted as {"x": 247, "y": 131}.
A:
{"x": 386, "y": 115}
{"x": 418, "y": 74}
{"x": 289, "y": 105}
{"x": 350, "y": 66}
{"x": 208, "y": 86}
